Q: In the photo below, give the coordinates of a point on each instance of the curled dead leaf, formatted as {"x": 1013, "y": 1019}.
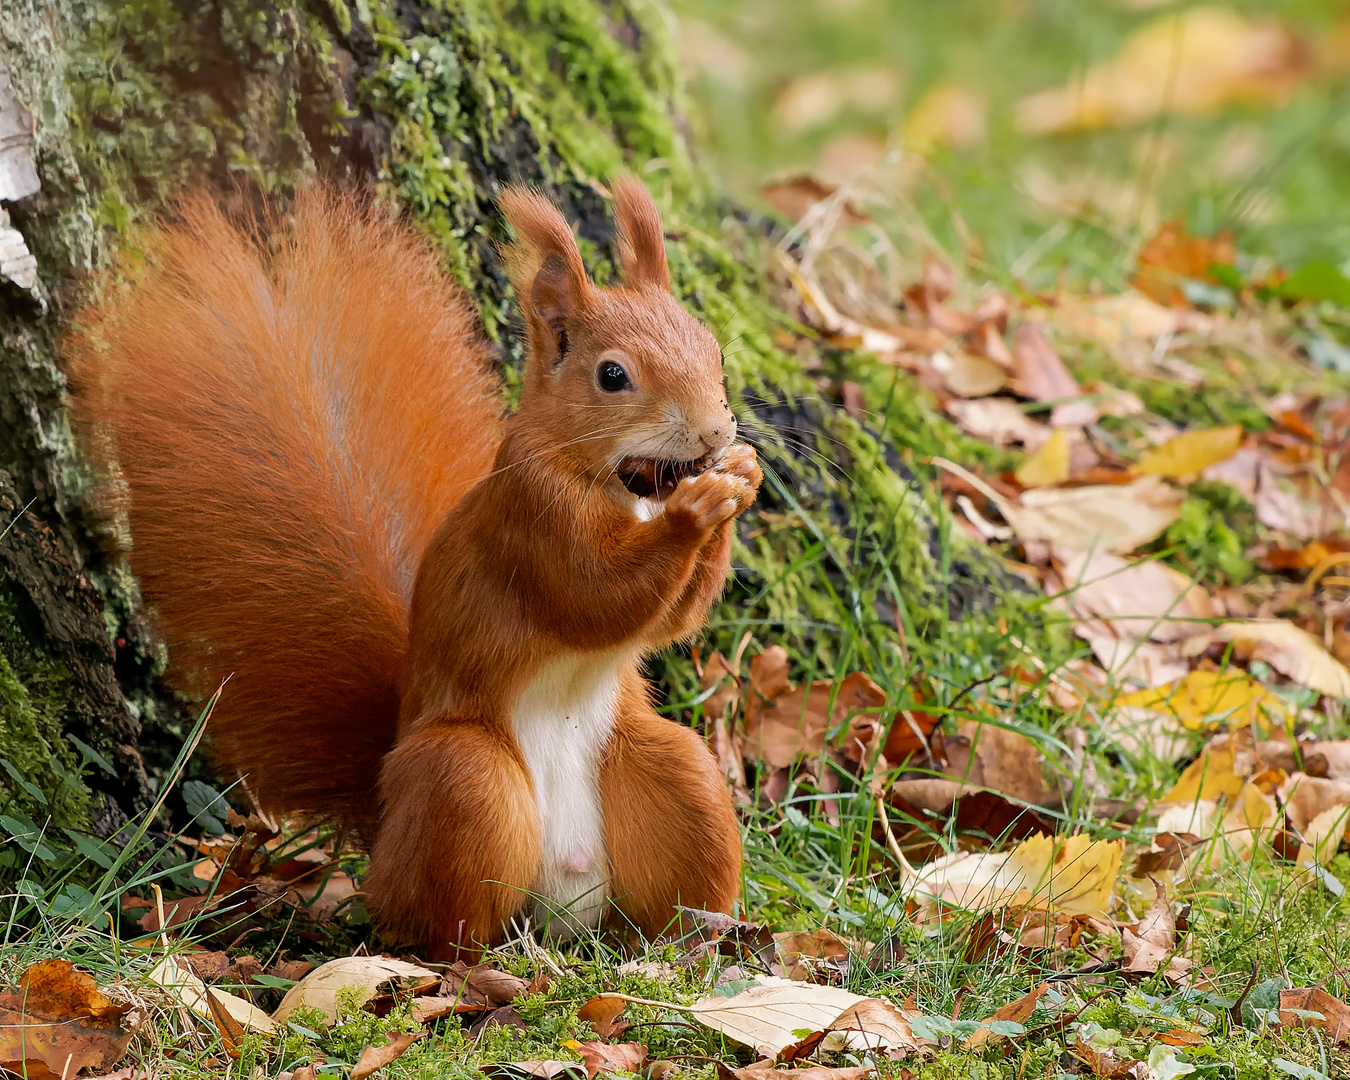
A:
{"x": 58, "y": 1023}
{"x": 377, "y": 1057}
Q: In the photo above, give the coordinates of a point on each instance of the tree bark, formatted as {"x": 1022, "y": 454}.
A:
{"x": 109, "y": 108}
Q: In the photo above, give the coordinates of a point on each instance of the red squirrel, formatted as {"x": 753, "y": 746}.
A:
{"x": 426, "y": 606}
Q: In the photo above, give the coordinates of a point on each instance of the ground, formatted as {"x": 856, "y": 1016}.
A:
{"x": 861, "y": 562}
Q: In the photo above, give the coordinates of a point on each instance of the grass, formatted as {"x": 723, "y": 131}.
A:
{"x": 822, "y": 858}
{"x": 1261, "y": 925}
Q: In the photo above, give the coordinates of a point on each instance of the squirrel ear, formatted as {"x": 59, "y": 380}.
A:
{"x": 546, "y": 269}
{"x": 642, "y": 244}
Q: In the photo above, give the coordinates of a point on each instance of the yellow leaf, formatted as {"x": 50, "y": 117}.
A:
{"x": 947, "y": 115}
{"x": 1074, "y": 874}
{"x": 1291, "y": 651}
{"x": 1322, "y": 838}
{"x": 1211, "y": 775}
{"x": 1191, "y": 452}
{"x": 1047, "y": 466}
{"x": 1192, "y": 63}
{"x": 1205, "y": 697}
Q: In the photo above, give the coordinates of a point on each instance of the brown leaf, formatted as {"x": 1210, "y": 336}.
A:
{"x": 610, "y": 1057}
{"x": 783, "y": 724}
{"x": 503, "y": 1017}
{"x": 1018, "y": 1012}
{"x": 231, "y": 1030}
{"x": 58, "y": 1021}
{"x": 1335, "y": 1013}
{"x": 1155, "y": 938}
{"x": 427, "y": 1009}
{"x": 1179, "y": 1037}
{"x": 795, "y": 197}
{"x": 1102, "y": 1063}
{"x": 995, "y": 758}
{"x": 1039, "y": 373}
{"x": 488, "y": 985}
{"x": 294, "y": 970}
{"x": 1169, "y": 851}
{"x": 764, "y": 1070}
{"x": 801, "y": 952}
{"x": 877, "y": 1024}
{"x": 1173, "y": 255}
{"x": 602, "y": 1013}
{"x": 998, "y": 421}
{"x": 176, "y": 912}
{"x": 207, "y": 965}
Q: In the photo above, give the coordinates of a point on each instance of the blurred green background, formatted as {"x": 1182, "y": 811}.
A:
{"x": 1232, "y": 116}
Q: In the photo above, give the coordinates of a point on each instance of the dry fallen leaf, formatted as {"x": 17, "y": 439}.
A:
{"x": 377, "y": 1057}
{"x": 1291, "y": 651}
{"x": 1039, "y": 373}
{"x": 799, "y": 949}
{"x": 1335, "y": 1013}
{"x": 1111, "y": 320}
{"x": 602, "y": 1013}
{"x": 764, "y": 1070}
{"x": 1047, "y": 466}
{"x": 1140, "y": 600}
{"x": 1154, "y": 939}
{"x": 1096, "y": 517}
{"x": 767, "y": 1016}
{"x": 534, "y": 1070}
{"x": 875, "y": 1024}
{"x": 1191, "y": 452}
{"x": 175, "y": 976}
{"x": 57, "y": 1023}
{"x": 998, "y": 421}
{"x": 606, "y": 1057}
{"x": 1074, "y": 874}
{"x": 1173, "y": 256}
{"x": 1206, "y": 697}
{"x": 319, "y": 989}
{"x": 1305, "y": 797}
{"x": 1018, "y": 1012}
{"x": 1191, "y": 63}
{"x": 1323, "y": 836}
{"x": 992, "y": 757}
{"x": 968, "y": 375}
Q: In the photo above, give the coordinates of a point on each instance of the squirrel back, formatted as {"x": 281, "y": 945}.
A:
{"x": 293, "y": 405}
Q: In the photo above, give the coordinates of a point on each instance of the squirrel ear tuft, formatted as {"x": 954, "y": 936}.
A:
{"x": 546, "y": 269}
{"x": 642, "y": 245}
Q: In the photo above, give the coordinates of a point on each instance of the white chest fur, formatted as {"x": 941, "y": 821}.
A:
{"x": 562, "y": 723}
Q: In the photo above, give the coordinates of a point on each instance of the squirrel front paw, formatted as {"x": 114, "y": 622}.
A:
{"x": 721, "y": 493}
{"x": 740, "y": 459}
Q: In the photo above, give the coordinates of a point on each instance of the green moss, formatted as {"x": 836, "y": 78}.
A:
{"x": 32, "y": 708}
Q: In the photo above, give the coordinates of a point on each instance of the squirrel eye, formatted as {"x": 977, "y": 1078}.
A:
{"x": 612, "y": 378}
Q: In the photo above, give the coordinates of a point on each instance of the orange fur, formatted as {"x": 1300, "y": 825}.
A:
{"x": 324, "y": 503}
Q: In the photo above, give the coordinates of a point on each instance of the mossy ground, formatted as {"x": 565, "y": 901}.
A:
{"x": 849, "y": 561}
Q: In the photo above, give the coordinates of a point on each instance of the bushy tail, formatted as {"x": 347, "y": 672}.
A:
{"x": 289, "y": 408}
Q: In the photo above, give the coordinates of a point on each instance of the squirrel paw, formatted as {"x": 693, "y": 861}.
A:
{"x": 740, "y": 459}
{"x": 710, "y": 498}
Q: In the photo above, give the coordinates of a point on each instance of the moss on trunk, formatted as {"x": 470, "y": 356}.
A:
{"x": 436, "y": 104}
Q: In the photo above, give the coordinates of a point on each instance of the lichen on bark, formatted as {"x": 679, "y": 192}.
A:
{"x": 434, "y": 104}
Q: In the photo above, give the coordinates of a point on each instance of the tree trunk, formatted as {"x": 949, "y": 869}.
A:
{"x": 112, "y": 106}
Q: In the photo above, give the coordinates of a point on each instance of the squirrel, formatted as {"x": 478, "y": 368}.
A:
{"x": 433, "y": 613}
